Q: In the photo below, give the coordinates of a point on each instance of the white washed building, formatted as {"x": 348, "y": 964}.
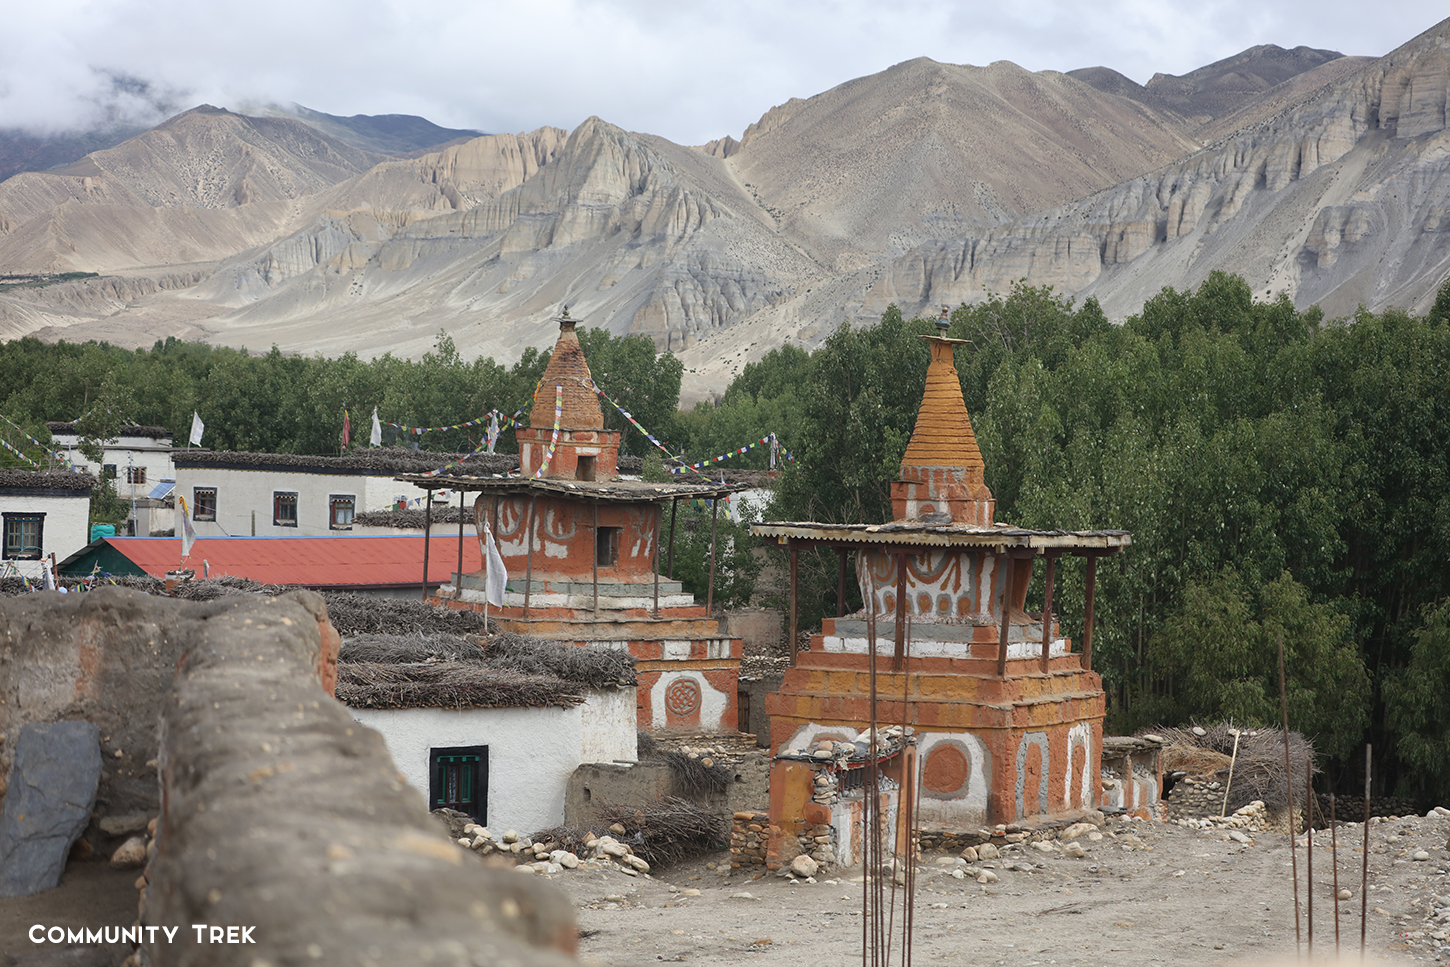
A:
{"x": 232, "y": 494}
{"x": 42, "y": 512}
{"x": 135, "y": 461}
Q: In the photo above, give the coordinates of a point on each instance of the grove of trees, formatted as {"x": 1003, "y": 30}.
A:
{"x": 1284, "y": 477}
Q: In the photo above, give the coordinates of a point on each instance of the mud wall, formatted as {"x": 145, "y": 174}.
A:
{"x": 278, "y": 812}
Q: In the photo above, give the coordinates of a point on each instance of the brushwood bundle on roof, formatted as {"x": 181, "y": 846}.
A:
{"x": 47, "y": 479}
{"x": 1258, "y": 768}
{"x": 451, "y": 671}
{"x": 448, "y": 684}
{"x": 357, "y": 614}
{"x": 413, "y": 518}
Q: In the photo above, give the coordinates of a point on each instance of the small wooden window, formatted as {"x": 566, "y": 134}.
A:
{"x": 284, "y": 509}
{"x": 458, "y": 779}
{"x": 135, "y": 475}
{"x": 586, "y": 468}
{"x": 23, "y": 536}
{"x": 203, "y": 503}
{"x": 340, "y": 511}
{"x": 606, "y": 546}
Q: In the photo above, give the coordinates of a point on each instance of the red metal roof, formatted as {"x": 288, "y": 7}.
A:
{"x": 312, "y": 562}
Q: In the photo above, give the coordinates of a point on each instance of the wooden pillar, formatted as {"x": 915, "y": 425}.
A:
{"x": 427, "y": 536}
{"x": 841, "y": 582}
{"x": 529, "y": 567}
{"x": 674, "y": 513}
{"x": 899, "y": 658}
{"x": 595, "y": 565}
{"x": 794, "y": 601}
{"x": 659, "y": 527}
{"x": 710, "y": 588}
{"x": 1087, "y": 624}
{"x": 458, "y": 579}
{"x": 1011, "y": 577}
{"x": 1047, "y": 610}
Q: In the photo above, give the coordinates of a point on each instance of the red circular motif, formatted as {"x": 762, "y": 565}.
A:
{"x": 682, "y": 696}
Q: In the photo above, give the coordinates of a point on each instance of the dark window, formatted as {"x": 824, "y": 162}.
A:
{"x": 23, "y": 534}
{"x": 284, "y": 509}
{"x": 108, "y": 471}
{"x": 458, "y": 779}
{"x": 340, "y": 511}
{"x": 135, "y": 475}
{"x": 203, "y": 503}
{"x": 586, "y": 469}
{"x": 606, "y": 546}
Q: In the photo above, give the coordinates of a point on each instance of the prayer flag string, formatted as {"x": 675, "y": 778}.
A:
{"x": 554, "y": 440}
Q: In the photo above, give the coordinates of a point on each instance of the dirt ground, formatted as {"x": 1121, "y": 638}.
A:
{"x": 1145, "y": 894}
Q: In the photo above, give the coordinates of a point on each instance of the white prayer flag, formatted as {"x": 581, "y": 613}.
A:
{"x": 496, "y": 577}
{"x": 375, "y": 439}
{"x": 188, "y": 533}
{"x": 196, "y": 428}
{"x": 492, "y": 431}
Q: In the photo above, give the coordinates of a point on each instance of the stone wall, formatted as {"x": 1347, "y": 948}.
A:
{"x": 278, "y": 812}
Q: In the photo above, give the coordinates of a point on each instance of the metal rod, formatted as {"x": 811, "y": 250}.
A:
{"x": 1047, "y": 610}
{"x": 458, "y": 583}
{"x": 710, "y": 588}
{"x": 899, "y": 657}
{"x": 427, "y": 535}
{"x": 659, "y": 525}
{"x": 595, "y": 571}
{"x": 1011, "y": 563}
{"x": 1087, "y": 621}
{"x": 674, "y": 512}
{"x": 529, "y": 567}
{"x": 1289, "y": 790}
{"x": 794, "y": 602}
{"x": 1364, "y": 871}
{"x": 841, "y": 582}
{"x": 1334, "y": 864}
{"x": 1309, "y": 804}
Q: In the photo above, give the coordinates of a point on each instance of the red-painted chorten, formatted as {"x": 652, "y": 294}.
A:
{"x": 1007, "y": 716}
{"x": 582, "y": 549}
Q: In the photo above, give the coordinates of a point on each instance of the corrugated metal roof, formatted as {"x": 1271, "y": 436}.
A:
{"x": 311, "y": 562}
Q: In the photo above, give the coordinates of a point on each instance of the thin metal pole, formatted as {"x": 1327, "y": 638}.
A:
{"x": 659, "y": 525}
{"x": 1011, "y": 563}
{"x": 458, "y": 583}
{"x": 595, "y": 571}
{"x": 427, "y": 535}
{"x": 1364, "y": 871}
{"x": 1309, "y": 804}
{"x": 794, "y": 602}
{"x": 710, "y": 588}
{"x": 529, "y": 567}
{"x": 1334, "y": 863}
{"x": 674, "y": 512}
{"x": 899, "y": 659}
{"x": 1047, "y": 610}
{"x": 1087, "y": 621}
{"x": 1289, "y": 788}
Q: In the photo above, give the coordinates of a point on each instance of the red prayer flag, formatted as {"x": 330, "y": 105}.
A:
{"x": 346, "y": 428}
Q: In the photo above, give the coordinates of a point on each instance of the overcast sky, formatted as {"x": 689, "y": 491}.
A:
{"x": 689, "y": 71}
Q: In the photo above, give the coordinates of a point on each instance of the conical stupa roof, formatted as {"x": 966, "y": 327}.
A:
{"x": 567, "y": 368}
